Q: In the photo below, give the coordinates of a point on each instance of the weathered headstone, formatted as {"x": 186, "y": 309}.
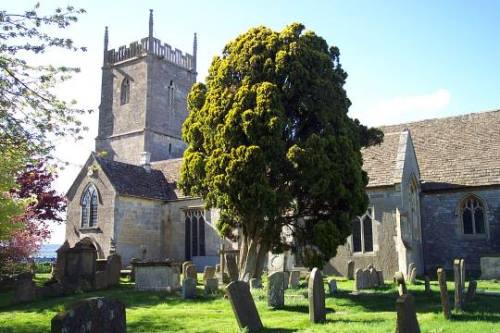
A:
{"x": 457, "y": 275}
{"x": 366, "y": 279}
{"x": 113, "y": 267}
{"x": 316, "y": 295}
{"x": 373, "y": 278}
{"x": 443, "y": 291}
{"x": 294, "y": 279}
{"x": 462, "y": 273}
{"x": 25, "y": 291}
{"x": 471, "y": 291}
{"x": 232, "y": 267}
{"x": 211, "y": 286}
{"x": 380, "y": 278}
{"x": 427, "y": 285}
{"x": 413, "y": 276}
{"x": 188, "y": 288}
{"x": 286, "y": 278}
{"x": 184, "y": 265}
{"x": 276, "y": 290}
{"x": 58, "y": 268}
{"x": 406, "y": 315}
{"x": 332, "y": 287}
{"x": 190, "y": 272}
{"x": 255, "y": 283}
{"x": 358, "y": 283}
{"x": 243, "y": 306}
{"x": 399, "y": 279}
{"x": 156, "y": 276}
{"x": 350, "y": 270}
{"x": 93, "y": 315}
{"x": 411, "y": 266}
{"x": 208, "y": 272}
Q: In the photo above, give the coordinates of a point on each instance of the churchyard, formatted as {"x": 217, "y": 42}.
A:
{"x": 369, "y": 310}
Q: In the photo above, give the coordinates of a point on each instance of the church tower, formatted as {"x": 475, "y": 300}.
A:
{"x": 143, "y": 99}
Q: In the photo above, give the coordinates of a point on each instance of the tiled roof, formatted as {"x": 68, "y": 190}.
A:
{"x": 451, "y": 152}
{"x": 171, "y": 169}
{"x": 134, "y": 180}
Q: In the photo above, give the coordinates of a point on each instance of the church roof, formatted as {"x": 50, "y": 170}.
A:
{"x": 134, "y": 180}
{"x": 452, "y": 152}
{"x": 171, "y": 170}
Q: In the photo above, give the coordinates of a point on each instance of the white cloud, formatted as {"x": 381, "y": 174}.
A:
{"x": 406, "y": 108}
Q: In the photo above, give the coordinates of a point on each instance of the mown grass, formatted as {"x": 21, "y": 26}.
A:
{"x": 369, "y": 312}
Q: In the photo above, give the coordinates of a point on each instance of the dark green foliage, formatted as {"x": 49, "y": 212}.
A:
{"x": 271, "y": 145}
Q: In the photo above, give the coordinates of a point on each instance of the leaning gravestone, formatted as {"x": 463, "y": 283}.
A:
{"x": 93, "y": 315}
{"x": 332, "y": 287}
{"x": 316, "y": 295}
{"x": 255, "y": 283}
{"x": 443, "y": 291}
{"x": 400, "y": 281}
{"x": 243, "y": 306}
{"x": 232, "y": 267}
{"x": 294, "y": 279}
{"x": 208, "y": 272}
{"x": 211, "y": 286}
{"x": 350, "y": 270}
{"x": 457, "y": 275}
{"x": 406, "y": 315}
{"x": 113, "y": 267}
{"x": 471, "y": 291}
{"x": 276, "y": 290}
{"x": 191, "y": 272}
{"x": 188, "y": 288}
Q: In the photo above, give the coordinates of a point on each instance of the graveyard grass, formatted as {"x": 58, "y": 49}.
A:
{"x": 370, "y": 312}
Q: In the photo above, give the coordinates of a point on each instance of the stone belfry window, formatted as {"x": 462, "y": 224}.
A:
{"x": 362, "y": 233}
{"x": 125, "y": 91}
{"x": 194, "y": 233}
{"x": 473, "y": 216}
{"x": 90, "y": 202}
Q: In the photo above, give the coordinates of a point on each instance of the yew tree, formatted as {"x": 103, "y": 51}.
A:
{"x": 270, "y": 144}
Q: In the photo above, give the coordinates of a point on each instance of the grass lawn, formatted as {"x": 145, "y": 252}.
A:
{"x": 370, "y": 312}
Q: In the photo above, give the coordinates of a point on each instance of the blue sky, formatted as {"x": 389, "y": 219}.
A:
{"x": 406, "y": 60}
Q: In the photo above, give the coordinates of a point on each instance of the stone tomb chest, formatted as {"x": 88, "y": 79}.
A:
{"x": 156, "y": 276}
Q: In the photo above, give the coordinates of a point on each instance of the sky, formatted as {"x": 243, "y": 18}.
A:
{"x": 406, "y": 60}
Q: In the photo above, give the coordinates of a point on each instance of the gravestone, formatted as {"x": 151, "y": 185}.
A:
{"x": 443, "y": 292}
{"x": 332, "y": 287}
{"x": 25, "y": 291}
{"x": 457, "y": 275}
{"x": 294, "y": 279}
{"x": 286, "y": 278}
{"x": 471, "y": 291}
{"x": 58, "y": 268}
{"x": 92, "y": 315}
{"x": 208, "y": 272}
{"x": 217, "y": 268}
{"x": 232, "y": 267}
{"x": 255, "y": 283}
{"x": 413, "y": 276}
{"x": 427, "y": 285}
{"x": 188, "y": 288}
{"x": 211, "y": 286}
{"x": 113, "y": 267}
{"x": 358, "y": 283}
{"x": 316, "y": 295}
{"x": 380, "y": 278}
{"x": 411, "y": 266}
{"x": 80, "y": 267}
{"x": 243, "y": 306}
{"x": 462, "y": 273}
{"x": 406, "y": 315}
{"x": 373, "y": 278}
{"x": 184, "y": 265}
{"x": 366, "y": 279}
{"x": 156, "y": 276}
{"x": 276, "y": 290}
{"x": 399, "y": 279}
{"x": 191, "y": 272}
{"x": 350, "y": 270}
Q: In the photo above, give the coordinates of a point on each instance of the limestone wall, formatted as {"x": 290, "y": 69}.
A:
{"x": 442, "y": 228}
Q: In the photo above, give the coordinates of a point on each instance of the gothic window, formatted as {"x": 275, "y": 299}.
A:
{"x": 473, "y": 216}
{"x": 413, "y": 208}
{"x": 125, "y": 91}
{"x": 362, "y": 233}
{"x": 171, "y": 96}
{"x": 89, "y": 203}
{"x": 194, "y": 233}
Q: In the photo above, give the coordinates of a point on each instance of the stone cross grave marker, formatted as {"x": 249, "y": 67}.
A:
{"x": 457, "y": 275}
{"x": 443, "y": 291}
{"x": 188, "y": 288}
{"x": 276, "y": 290}
{"x": 243, "y": 306}
{"x": 316, "y": 295}
{"x": 232, "y": 267}
{"x": 350, "y": 270}
{"x": 93, "y": 315}
{"x": 406, "y": 315}
{"x": 400, "y": 281}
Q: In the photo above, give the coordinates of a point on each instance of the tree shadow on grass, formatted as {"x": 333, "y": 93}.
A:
{"x": 302, "y": 308}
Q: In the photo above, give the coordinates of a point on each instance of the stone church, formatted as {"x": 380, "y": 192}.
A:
{"x": 434, "y": 185}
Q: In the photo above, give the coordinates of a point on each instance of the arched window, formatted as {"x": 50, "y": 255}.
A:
{"x": 90, "y": 202}
{"x": 171, "y": 96}
{"x": 413, "y": 209}
{"x": 473, "y": 216}
{"x": 362, "y": 233}
{"x": 194, "y": 233}
{"x": 125, "y": 91}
